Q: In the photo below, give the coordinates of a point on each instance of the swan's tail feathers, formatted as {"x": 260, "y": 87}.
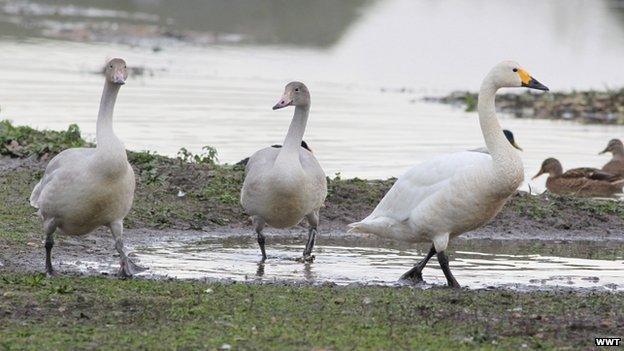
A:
{"x": 34, "y": 197}
{"x": 382, "y": 226}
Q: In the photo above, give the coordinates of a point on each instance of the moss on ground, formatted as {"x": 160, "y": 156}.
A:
{"x": 89, "y": 312}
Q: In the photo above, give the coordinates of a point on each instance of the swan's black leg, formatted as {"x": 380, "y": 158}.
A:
{"x": 259, "y": 226}
{"x": 444, "y": 264}
{"x": 313, "y": 221}
{"x": 415, "y": 274}
{"x": 49, "y": 227}
{"x": 127, "y": 268}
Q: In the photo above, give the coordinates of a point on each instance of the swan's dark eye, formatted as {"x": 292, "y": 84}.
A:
{"x": 297, "y": 90}
{"x": 515, "y": 70}
{"x": 111, "y": 66}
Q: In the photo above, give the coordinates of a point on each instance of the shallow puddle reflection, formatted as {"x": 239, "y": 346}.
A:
{"x": 216, "y": 259}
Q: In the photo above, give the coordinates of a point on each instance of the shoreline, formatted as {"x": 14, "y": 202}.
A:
{"x": 189, "y": 197}
{"x": 586, "y": 106}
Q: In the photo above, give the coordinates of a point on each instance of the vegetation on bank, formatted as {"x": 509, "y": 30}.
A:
{"x": 195, "y": 192}
{"x": 605, "y": 107}
{"x": 94, "y": 312}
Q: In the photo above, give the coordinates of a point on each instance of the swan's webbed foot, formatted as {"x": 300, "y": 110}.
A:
{"x": 127, "y": 268}
{"x": 51, "y": 273}
{"x": 306, "y": 259}
{"x": 414, "y": 275}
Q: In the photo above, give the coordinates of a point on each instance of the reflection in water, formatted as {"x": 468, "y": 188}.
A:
{"x": 237, "y": 260}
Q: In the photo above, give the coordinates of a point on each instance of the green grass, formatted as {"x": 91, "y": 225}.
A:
{"x": 82, "y": 313}
{"x": 22, "y": 141}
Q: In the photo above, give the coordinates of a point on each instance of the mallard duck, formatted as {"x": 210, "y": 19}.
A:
{"x": 85, "y": 188}
{"x": 616, "y": 165}
{"x": 455, "y": 193}
{"x": 285, "y": 184}
{"x": 584, "y": 181}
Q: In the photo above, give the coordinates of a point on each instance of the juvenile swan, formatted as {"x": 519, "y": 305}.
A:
{"x": 84, "y": 188}
{"x": 455, "y": 193}
{"x": 283, "y": 185}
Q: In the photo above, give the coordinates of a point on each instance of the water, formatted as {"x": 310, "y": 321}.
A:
{"x": 213, "y": 69}
{"x": 237, "y": 258}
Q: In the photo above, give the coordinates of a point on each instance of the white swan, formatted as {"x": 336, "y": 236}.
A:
{"x": 455, "y": 193}
{"x": 85, "y": 188}
{"x": 283, "y": 185}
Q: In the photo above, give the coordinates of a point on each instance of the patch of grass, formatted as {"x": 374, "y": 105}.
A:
{"x": 18, "y": 220}
{"x": 225, "y": 185}
{"x": 22, "y": 141}
{"x": 82, "y": 313}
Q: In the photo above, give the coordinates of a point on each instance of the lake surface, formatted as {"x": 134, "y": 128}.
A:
{"x": 213, "y": 69}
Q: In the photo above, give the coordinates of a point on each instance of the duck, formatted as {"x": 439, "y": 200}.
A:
{"x": 451, "y": 194}
{"x": 510, "y": 138}
{"x": 616, "y": 165}
{"x": 86, "y": 188}
{"x": 583, "y": 181}
{"x": 285, "y": 184}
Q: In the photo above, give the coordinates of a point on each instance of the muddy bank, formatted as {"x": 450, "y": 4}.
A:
{"x": 601, "y": 107}
{"x": 192, "y": 195}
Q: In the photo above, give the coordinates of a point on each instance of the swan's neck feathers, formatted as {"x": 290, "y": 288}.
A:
{"x": 504, "y": 157}
{"x": 110, "y": 151}
{"x": 105, "y": 135}
{"x": 292, "y": 143}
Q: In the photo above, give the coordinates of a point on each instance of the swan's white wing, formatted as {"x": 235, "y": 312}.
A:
{"x": 261, "y": 160}
{"x": 423, "y": 180}
{"x": 68, "y": 158}
{"x": 318, "y": 180}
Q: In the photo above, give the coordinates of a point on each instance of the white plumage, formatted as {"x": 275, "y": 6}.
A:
{"x": 455, "y": 193}
{"x": 284, "y": 185}
{"x": 85, "y": 188}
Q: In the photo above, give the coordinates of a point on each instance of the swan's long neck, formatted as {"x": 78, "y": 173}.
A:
{"x": 292, "y": 143}
{"x": 110, "y": 150}
{"x": 105, "y": 135}
{"x": 499, "y": 147}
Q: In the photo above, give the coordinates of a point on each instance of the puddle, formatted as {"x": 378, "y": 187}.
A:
{"x": 237, "y": 259}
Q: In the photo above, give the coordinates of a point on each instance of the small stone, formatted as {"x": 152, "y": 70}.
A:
{"x": 225, "y": 347}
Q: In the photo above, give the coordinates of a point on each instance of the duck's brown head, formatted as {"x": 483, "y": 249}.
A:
{"x": 295, "y": 94}
{"x": 552, "y": 166}
{"x": 116, "y": 71}
{"x": 614, "y": 146}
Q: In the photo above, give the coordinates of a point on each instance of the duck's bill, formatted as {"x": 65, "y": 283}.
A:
{"x": 284, "y": 102}
{"x": 534, "y": 84}
{"x": 604, "y": 151}
{"x": 538, "y": 174}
